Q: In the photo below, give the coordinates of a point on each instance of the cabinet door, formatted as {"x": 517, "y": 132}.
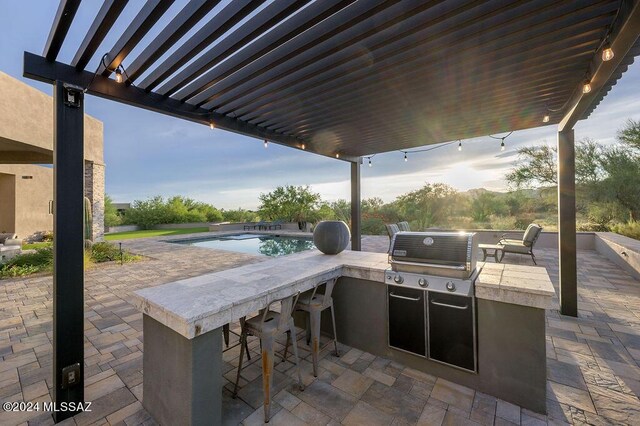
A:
{"x": 452, "y": 330}
{"x": 407, "y": 328}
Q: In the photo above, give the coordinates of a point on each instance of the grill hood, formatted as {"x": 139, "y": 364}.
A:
{"x": 450, "y": 254}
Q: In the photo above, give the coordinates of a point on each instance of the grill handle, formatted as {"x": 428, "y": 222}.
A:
{"x": 431, "y": 265}
{"x": 413, "y": 299}
{"x": 446, "y": 305}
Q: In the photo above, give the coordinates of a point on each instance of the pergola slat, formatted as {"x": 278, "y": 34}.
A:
{"x": 346, "y": 21}
{"x": 190, "y": 15}
{"x": 106, "y": 17}
{"x": 140, "y": 26}
{"x": 252, "y": 28}
{"x": 287, "y": 30}
{"x": 350, "y": 67}
{"x": 230, "y": 15}
{"x": 64, "y": 17}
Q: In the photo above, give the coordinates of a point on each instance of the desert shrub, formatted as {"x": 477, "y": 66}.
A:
{"x": 107, "y": 252}
{"x": 157, "y": 210}
{"x": 591, "y": 227}
{"x": 29, "y": 263}
{"x": 373, "y": 226}
{"x": 629, "y": 229}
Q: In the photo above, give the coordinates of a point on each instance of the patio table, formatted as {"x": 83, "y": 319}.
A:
{"x": 497, "y": 252}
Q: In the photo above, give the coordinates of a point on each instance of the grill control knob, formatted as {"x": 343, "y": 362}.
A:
{"x": 398, "y": 279}
{"x": 451, "y": 286}
{"x": 423, "y": 283}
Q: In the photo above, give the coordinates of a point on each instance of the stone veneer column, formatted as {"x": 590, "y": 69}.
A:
{"x": 94, "y": 191}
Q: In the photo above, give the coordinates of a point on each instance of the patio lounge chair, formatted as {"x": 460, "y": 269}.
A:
{"x": 392, "y": 229}
{"x": 524, "y": 246}
{"x": 404, "y": 226}
{"x": 260, "y": 225}
{"x": 276, "y": 225}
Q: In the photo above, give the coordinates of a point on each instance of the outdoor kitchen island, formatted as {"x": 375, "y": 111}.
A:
{"x": 183, "y": 322}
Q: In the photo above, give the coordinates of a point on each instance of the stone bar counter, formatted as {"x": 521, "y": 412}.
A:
{"x": 183, "y": 321}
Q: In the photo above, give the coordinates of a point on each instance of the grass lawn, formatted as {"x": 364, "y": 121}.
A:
{"x": 152, "y": 233}
{"x": 37, "y": 245}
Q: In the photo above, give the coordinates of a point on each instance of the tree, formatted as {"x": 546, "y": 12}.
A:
{"x": 623, "y": 179}
{"x": 111, "y": 215}
{"x": 484, "y": 205}
{"x": 537, "y": 166}
{"x": 630, "y": 134}
{"x": 429, "y": 205}
{"x": 290, "y": 203}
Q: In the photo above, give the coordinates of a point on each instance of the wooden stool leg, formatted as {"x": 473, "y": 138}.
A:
{"x": 267, "y": 374}
{"x": 315, "y": 338}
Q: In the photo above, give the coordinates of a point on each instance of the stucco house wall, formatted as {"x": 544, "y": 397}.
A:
{"x": 26, "y": 138}
{"x": 33, "y": 191}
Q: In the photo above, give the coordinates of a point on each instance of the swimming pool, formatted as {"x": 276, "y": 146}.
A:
{"x": 267, "y": 245}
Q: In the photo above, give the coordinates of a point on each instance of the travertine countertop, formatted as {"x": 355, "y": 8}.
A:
{"x": 196, "y": 305}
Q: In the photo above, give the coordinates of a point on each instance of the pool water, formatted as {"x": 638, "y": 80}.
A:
{"x": 267, "y": 245}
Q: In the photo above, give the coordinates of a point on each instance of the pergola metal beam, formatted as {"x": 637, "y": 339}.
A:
{"x": 64, "y": 17}
{"x": 230, "y": 15}
{"x": 567, "y": 223}
{"x": 356, "y": 213}
{"x": 140, "y": 26}
{"x": 189, "y": 16}
{"x": 600, "y": 71}
{"x": 107, "y": 16}
{"x": 38, "y": 68}
{"x": 249, "y": 30}
{"x": 296, "y": 25}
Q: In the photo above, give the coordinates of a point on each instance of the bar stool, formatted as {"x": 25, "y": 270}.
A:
{"x": 314, "y": 304}
{"x": 266, "y": 326}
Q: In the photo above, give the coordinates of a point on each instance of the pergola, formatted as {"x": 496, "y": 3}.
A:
{"x": 339, "y": 78}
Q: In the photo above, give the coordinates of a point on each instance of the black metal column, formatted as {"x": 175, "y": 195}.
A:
{"x": 356, "y": 219}
{"x": 567, "y": 223}
{"x": 68, "y": 248}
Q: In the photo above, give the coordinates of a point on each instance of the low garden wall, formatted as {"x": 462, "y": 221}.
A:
{"x": 548, "y": 239}
{"x": 621, "y": 250}
{"x": 239, "y": 226}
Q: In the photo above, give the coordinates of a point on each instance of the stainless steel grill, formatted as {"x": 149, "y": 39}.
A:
{"x": 448, "y": 254}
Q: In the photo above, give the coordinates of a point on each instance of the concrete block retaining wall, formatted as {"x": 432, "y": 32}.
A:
{"x": 621, "y": 250}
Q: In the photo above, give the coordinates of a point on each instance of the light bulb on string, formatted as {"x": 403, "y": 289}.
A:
{"x": 546, "y": 118}
{"x": 460, "y": 146}
{"x": 119, "y": 78}
{"x": 266, "y": 144}
{"x": 405, "y": 157}
{"x": 502, "y": 145}
{"x": 607, "y": 53}
{"x": 586, "y": 88}
{"x": 211, "y": 125}
{"x": 370, "y": 165}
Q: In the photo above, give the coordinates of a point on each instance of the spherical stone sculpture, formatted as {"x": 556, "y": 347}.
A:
{"x": 331, "y": 236}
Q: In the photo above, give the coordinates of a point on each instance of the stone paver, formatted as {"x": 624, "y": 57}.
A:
{"x": 593, "y": 371}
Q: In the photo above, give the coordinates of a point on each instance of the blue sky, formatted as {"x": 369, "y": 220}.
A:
{"x": 148, "y": 154}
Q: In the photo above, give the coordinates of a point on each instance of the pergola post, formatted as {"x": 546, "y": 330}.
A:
{"x": 356, "y": 232}
{"x": 567, "y": 223}
{"x": 68, "y": 248}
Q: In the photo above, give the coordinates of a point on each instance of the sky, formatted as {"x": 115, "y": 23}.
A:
{"x": 147, "y": 154}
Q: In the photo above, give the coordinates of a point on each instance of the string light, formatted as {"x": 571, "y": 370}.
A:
{"x": 211, "y": 125}
{"x": 586, "y": 88}
{"x": 266, "y": 144}
{"x": 302, "y": 146}
{"x": 502, "y": 145}
{"x": 460, "y": 146}
{"x": 119, "y": 78}
{"x": 546, "y": 118}
{"x": 607, "y": 53}
{"x": 370, "y": 164}
{"x": 337, "y": 155}
{"x": 405, "y": 157}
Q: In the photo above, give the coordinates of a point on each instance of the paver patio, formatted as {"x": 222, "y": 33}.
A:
{"x": 593, "y": 371}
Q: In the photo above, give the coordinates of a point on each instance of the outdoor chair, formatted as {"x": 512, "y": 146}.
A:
{"x": 260, "y": 225}
{"x": 266, "y": 326}
{"x": 276, "y": 225}
{"x": 404, "y": 226}
{"x": 314, "y": 303}
{"x": 392, "y": 229}
{"x": 524, "y": 246}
